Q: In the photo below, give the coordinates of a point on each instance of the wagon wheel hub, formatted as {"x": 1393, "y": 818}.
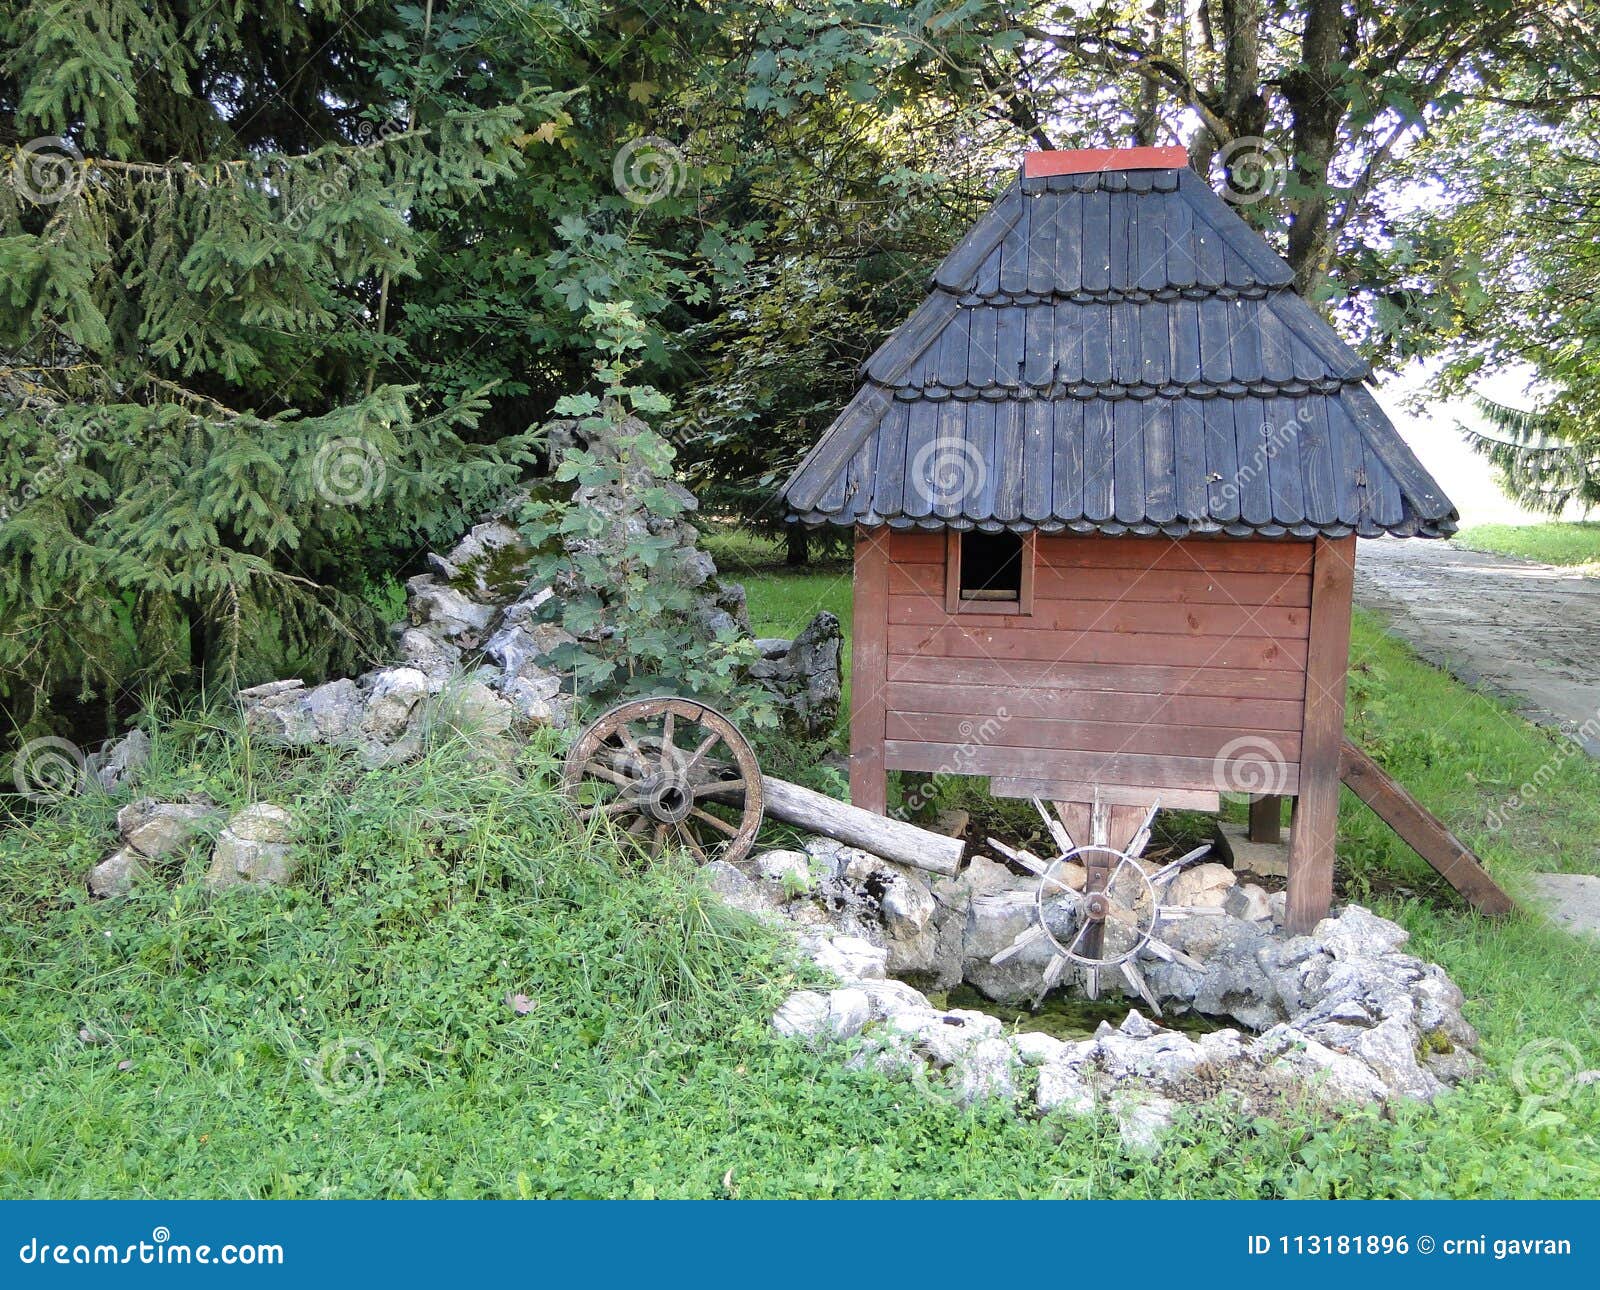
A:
{"x": 668, "y": 798}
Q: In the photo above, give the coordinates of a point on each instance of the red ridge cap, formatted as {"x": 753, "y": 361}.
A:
{"x": 1083, "y": 161}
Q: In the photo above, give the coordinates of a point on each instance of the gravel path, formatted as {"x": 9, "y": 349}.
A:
{"x": 1527, "y": 632}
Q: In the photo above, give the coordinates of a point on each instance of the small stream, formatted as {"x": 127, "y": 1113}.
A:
{"x": 1072, "y": 1017}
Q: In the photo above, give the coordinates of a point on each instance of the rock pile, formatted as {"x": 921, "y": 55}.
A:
{"x": 253, "y": 846}
{"x": 1342, "y": 1015}
{"x": 476, "y": 647}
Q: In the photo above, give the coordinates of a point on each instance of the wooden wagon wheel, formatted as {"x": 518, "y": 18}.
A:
{"x": 672, "y": 772}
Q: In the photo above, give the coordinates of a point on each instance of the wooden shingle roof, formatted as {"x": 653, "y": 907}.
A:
{"x": 1115, "y": 350}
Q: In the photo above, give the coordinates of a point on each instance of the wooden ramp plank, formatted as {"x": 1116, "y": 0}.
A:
{"x": 1422, "y": 831}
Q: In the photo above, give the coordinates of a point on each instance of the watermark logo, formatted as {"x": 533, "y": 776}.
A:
{"x": 49, "y": 769}
{"x": 949, "y": 470}
{"x": 1250, "y": 765}
{"x": 348, "y": 471}
{"x": 1269, "y": 442}
{"x": 47, "y": 170}
{"x": 1253, "y": 169}
{"x": 348, "y": 1070}
{"x": 1551, "y": 1070}
{"x": 648, "y": 169}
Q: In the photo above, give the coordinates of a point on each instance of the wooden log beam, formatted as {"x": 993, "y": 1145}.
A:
{"x": 892, "y": 839}
{"x": 1422, "y": 831}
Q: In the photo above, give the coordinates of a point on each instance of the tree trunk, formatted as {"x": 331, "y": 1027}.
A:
{"x": 1316, "y": 109}
{"x": 797, "y": 548}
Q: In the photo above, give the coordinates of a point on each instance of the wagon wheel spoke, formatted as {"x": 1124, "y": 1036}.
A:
{"x": 1027, "y": 938}
{"x": 609, "y": 809}
{"x": 632, "y": 744}
{"x": 706, "y": 745}
{"x": 610, "y": 776}
{"x": 719, "y": 786}
{"x": 693, "y": 843}
{"x": 705, "y": 817}
{"x": 1137, "y": 980}
{"x": 657, "y": 839}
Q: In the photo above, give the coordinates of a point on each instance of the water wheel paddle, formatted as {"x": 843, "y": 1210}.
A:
{"x": 671, "y": 772}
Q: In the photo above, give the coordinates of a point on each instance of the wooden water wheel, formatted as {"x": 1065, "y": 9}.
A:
{"x": 671, "y": 772}
{"x": 1113, "y": 919}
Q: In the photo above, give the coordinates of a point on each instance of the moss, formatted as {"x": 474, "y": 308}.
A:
{"x": 1434, "y": 1042}
{"x": 501, "y": 572}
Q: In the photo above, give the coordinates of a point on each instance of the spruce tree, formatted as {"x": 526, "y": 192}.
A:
{"x": 199, "y": 474}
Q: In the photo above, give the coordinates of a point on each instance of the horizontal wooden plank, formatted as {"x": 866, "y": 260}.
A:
{"x": 917, "y": 548}
{"x": 1167, "y": 586}
{"x": 977, "y": 702}
{"x": 918, "y": 609}
{"x": 1190, "y": 555}
{"x": 1118, "y": 678}
{"x": 922, "y": 580}
{"x": 1134, "y": 769}
{"x": 1108, "y": 586}
{"x": 1066, "y": 790}
{"x": 957, "y": 640}
{"x": 1064, "y": 550}
{"x": 1041, "y": 733}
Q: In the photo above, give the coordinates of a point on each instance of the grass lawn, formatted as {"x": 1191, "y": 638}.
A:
{"x": 1575, "y": 542}
{"x": 351, "y": 1036}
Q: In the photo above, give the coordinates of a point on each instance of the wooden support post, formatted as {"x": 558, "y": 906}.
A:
{"x": 1316, "y": 814}
{"x": 1423, "y": 832}
{"x": 869, "y": 671}
{"x": 1266, "y": 818}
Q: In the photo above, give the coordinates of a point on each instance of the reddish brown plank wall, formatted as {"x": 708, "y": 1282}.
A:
{"x": 1142, "y": 661}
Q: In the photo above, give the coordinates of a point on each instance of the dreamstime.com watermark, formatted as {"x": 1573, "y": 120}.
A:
{"x": 349, "y": 471}
{"x": 649, "y": 169}
{"x": 70, "y": 446}
{"x": 49, "y": 769}
{"x": 974, "y": 736}
{"x": 1499, "y": 816}
{"x": 47, "y": 170}
{"x": 160, "y": 1250}
{"x": 1250, "y": 766}
{"x": 950, "y": 470}
{"x": 1272, "y": 441}
{"x": 1253, "y": 169}
{"x": 348, "y": 1069}
{"x": 336, "y": 185}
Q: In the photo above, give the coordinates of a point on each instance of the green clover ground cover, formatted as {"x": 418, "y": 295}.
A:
{"x": 467, "y": 995}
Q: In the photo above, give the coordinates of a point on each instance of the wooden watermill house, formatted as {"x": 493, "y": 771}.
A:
{"x": 1106, "y": 484}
